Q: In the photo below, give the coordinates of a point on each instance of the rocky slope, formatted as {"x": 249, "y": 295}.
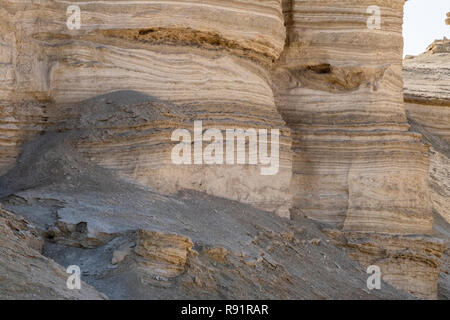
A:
{"x": 356, "y": 165}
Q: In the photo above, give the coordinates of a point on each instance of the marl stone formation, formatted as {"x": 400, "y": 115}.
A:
{"x": 86, "y": 123}
{"x": 427, "y": 98}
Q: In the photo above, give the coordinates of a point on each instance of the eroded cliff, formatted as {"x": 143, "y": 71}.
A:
{"x": 427, "y": 97}
{"x": 86, "y": 118}
{"x": 211, "y": 58}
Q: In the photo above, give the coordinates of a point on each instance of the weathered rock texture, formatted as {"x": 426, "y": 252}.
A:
{"x": 86, "y": 118}
{"x": 24, "y": 272}
{"x": 409, "y": 262}
{"x": 440, "y": 183}
{"x": 356, "y": 166}
{"x": 339, "y": 87}
{"x": 442, "y": 229}
{"x": 131, "y": 243}
{"x": 427, "y": 89}
{"x": 427, "y": 97}
{"x": 210, "y": 58}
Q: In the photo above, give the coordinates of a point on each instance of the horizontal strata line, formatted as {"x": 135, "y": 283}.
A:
{"x": 163, "y": 35}
{"x": 185, "y": 3}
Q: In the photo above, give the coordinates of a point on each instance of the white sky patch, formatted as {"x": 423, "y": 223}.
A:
{"x": 424, "y": 22}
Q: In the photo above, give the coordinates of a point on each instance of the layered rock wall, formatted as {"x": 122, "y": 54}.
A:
{"x": 410, "y": 262}
{"x": 210, "y": 58}
{"x": 338, "y": 85}
{"x": 326, "y": 74}
{"x": 427, "y": 97}
{"x": 24, "y": 272}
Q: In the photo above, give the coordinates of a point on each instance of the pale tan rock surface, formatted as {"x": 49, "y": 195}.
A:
{"x": 210, "y": 58}
{"x": 409, "y": 262}
{"x": 86, "y": 118}
{"x": 356, "y": 166}
{"x": 442, "y": 230}
{"x": 24, "y": 272}
{"x": 427, "y": 89}
{"x": 131, "y": 133}
{"x": 43, "y": 58}
{"x": 427, "y": 97}
{"x": 338, "y": 85}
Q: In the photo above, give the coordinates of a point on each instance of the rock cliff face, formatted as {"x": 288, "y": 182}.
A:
{"x": 427, "y": 89}
{"x": 356, "y": 166}
{"x": 427, "y": 97}
{"x": 339, "y": 87}
{"x": 86, "y": 121}
{"x": 212, "y": 59}
{"x": 24, "y": 272}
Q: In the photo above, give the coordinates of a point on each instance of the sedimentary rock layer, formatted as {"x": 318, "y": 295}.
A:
{"x": 212, "y": 61}
{"x": 130, "y": 133}
{"x": 440, "y": 183}
{"x": 427, "y": 89}
{"x": 409, "y": 262}
{"x": 111, "y": 93}
{"x": 338, "y": 85}
{"x": 255, "y": 27}
{"x": 356, "y": 166}
{"x": 24, "y": 272}
{"x": 132, "y": 243}
{"x": 427, "y": 97}
{"x": 18, "y": 123}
